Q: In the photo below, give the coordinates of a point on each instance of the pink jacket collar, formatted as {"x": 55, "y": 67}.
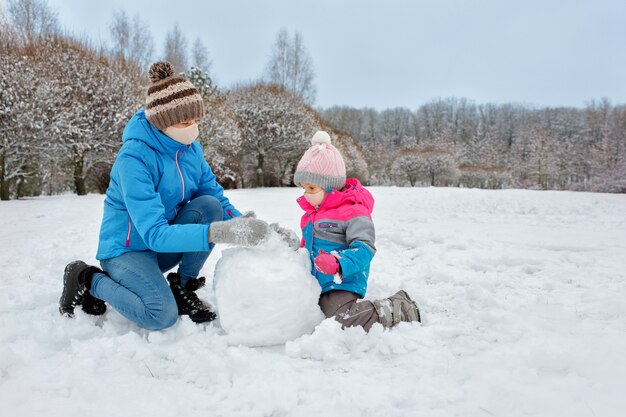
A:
{"x": 353, "y": 192}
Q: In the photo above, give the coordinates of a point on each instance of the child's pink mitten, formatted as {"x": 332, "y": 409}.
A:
{"x": 326, "y": 263}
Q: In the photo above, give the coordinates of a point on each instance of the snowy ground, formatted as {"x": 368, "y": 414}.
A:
{"x": 523, "y": 294}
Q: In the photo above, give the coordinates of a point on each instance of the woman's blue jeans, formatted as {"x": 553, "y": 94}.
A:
{"x": 135, "y": 285}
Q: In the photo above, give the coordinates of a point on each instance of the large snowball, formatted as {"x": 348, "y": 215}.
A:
{"x": 266, "y": 295}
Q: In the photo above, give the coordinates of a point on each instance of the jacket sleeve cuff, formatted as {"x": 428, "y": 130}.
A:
{"x": 206, "y": 238}
{"x": 231, "y": 213}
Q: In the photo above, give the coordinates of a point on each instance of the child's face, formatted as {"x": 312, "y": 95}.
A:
{"x": 310, "y": 188}
{"x": 314, "y": 194}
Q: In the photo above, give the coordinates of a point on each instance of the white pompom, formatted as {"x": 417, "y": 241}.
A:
{"x": 320, "y": 137}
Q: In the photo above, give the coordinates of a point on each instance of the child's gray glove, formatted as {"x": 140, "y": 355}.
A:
{"x": 287, "y": 235}
{"x": 243, "y": 231}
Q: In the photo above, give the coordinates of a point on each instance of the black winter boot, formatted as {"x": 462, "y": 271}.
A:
{"x": 92, "y": 305}
{"x": 187, "y": 300}
{"x": 195, "y": 284}
{"x": 76, "y": 280}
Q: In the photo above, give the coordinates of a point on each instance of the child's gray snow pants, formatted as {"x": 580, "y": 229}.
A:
{"x": 347, "y": 310}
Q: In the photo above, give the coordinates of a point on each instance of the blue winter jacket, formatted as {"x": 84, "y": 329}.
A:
{"x": 152, "y": 178}
{"x": 342, "y": 224}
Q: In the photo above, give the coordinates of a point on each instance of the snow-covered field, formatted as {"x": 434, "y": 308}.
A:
{"x": 523, "y": 295}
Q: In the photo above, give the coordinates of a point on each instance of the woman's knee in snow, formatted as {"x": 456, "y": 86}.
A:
{"x": 162, "y": 317}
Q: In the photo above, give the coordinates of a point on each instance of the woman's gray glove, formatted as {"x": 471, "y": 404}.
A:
{"x": 287, "y": 235}
{"x": 250, "y": 213}
{"x": 243, "y": 231}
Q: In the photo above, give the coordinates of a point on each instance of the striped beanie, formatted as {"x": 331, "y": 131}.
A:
{"x": 321, "y": 164}
{"x": 171, "y": 99}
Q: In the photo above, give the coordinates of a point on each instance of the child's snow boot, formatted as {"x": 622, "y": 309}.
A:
{"x": 76, "y": 283}
{"x": 399, "y": 307}
{"x": 187, "y": 300}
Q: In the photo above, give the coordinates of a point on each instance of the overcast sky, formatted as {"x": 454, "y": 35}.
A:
{"x": 393, "y": 53}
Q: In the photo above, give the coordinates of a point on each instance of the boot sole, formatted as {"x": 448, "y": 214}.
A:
{"x": 207, "y": 319}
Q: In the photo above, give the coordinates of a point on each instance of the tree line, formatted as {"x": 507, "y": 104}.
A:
{"x": 457, "y": 142}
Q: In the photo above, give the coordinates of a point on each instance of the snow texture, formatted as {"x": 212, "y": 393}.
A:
{"x": 266, "y": 295}
{"x": 522, "y": 294}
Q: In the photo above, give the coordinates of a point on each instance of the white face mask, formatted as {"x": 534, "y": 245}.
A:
{"x": 184, "y": 135}
{"x": 315, "y": 199}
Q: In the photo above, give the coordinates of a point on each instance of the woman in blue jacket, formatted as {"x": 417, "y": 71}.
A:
{"x": 163, "y": 208}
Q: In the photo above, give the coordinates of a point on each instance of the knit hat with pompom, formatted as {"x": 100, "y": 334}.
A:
{"x": 321, "y": 164}
{"x": 171, "y": 98}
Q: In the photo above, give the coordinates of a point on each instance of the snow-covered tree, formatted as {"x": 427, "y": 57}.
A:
{"x": 32, "y": 19}
{"x": 203, "y": 82}
{"x": 291, "y": 66}
{"x": 3, "y": 20}
{"x": 200, "y": 57}
{"x": 356, "y": 164}
{"x": 345, "y": 119}
{"x": 397, "y": 126}
{"x": 609, "y": 154}
{"x": 219, "y": 131}
{"x": 436, "y": 124}
{"x": 407, "y": 166}
{"x": 175, "y": 50}
{"x": 361, "y": 124}
{"x": 275, "y": 126}
{"x": 19, "y": 118}
{"x": 62, "y": 105}
{"x": 132, "y": 40}
{"x": 222, "y": 141}
{"x": 478, "y": 176}
{"x": 431, "y": 166}
{"x": 88, "y": 109}
{"x": 480, "y": 142}
{"x": 537, "y": 167}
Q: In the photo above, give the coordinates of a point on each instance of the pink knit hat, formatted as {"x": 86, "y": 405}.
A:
{"x": 321, "y": 164}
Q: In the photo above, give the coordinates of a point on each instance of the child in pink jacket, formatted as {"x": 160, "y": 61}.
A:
{"x": 338, "y": 232}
